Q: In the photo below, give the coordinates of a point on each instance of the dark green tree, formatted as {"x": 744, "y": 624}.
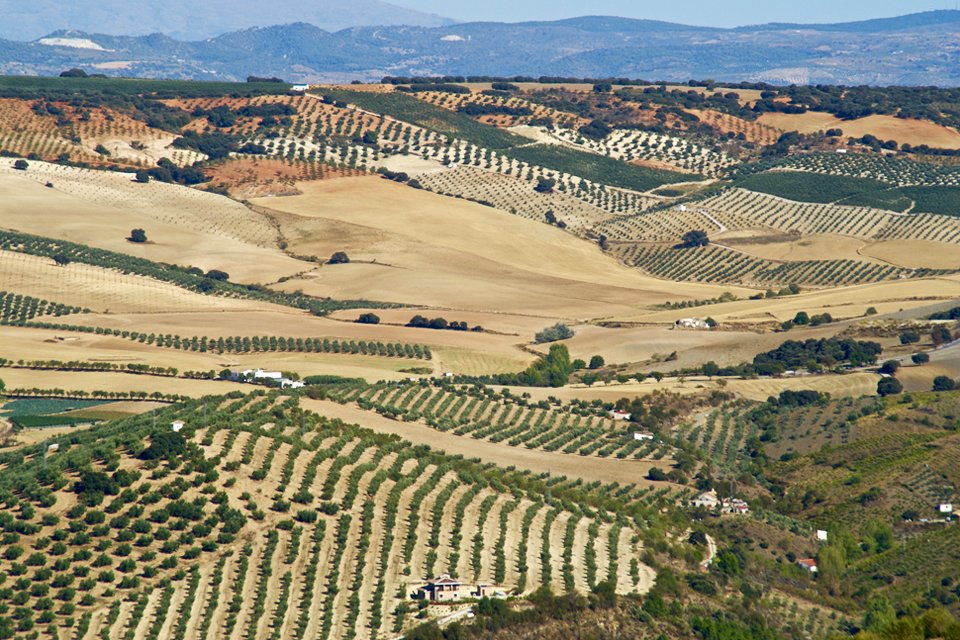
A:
{"x": 696, "y": 238}
{"x": 889, "y": 387}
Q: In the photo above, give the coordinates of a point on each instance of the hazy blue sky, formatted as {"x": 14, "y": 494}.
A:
{"x": 703, "y": 12}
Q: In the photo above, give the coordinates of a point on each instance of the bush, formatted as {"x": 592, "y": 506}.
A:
{"x": 142, "y": 176}
{"x": 695, "y": 238}
{"x": 216, "y": 274}
{"x": 943, "y": 383}
{"x": 368, "y": 318}
{"x": 909, "y": 337}
{"x": 340, "y": 257}
{"x": 889, "y": 387}
{"x": 657, "y": 475}
{"x": 596, "y": 362}
{"x": 920, "y": 358}
{"x": 545, "y": 185}
{"x": 555, "y": 333}
{"x": 21, "y": 165}
{"x": 941, "y": 335}
{"x": 138, "y": 236}
{"x": 890, "y": 367}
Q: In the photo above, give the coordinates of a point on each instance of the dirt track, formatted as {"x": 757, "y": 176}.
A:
{"x": 572, "y": 466}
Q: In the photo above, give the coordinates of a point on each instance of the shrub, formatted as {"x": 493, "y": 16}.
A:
{"x": 340, "y": 257}
{"x": 695, "y": 238}
{"x": 920, "y": 358}
{"x": 909, "y": 337}
{"x": 216, "y": 274}
{"x": 889, "y": 387}
{"x": 941, "y": 335}
{"x": 555, "y": 333}
{"x": 890, "y": 367}
{"x": 943, "y": 383}
{"x": 368, "y": 318}
{"x": 21, "y": 165}
{"x": 657, "y": 475}
{"x": 545, "y": 185}
{"x": 138, "y": 236}
{"x": 596, "y": 362}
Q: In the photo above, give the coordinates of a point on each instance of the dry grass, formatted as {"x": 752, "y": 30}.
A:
{"x": 425, "y": 249}
{"x": 813, "y": 247}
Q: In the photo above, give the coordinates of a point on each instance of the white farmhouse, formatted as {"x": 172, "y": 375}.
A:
{"x": 177, "y": 426}
{"x": 691, "y": 323}
{"x": 300, "y": 88}
{"x": 708, "y": 500}
{"x": 643, "y": 435}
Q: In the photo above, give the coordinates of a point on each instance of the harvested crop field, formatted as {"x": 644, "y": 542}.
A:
{"x": 183, "y": 226}
{"x": 115, "y": 382}
{"x": 105, "y": 290}
{"x": 842, "y": 302}
{"x": 903, "y": 130}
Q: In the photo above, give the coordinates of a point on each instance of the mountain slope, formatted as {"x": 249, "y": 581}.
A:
{"x": 188, "y": 20}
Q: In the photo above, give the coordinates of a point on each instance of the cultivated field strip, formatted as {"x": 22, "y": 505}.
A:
{"x": 734, "y": 206}
{"x": 717, "y": 264}
{"x": 258, "y": 519}
{"x": 503, "y": 419}
{"x": 894, "y": 171}
{"x": 511, "y": 111}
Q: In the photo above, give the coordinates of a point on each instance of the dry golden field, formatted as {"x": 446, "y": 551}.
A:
{"x": 107, "y": 291}
{"x": 420, "y": 248}
{"x": 184, "y": 226}
{"x": 903, "y": 130}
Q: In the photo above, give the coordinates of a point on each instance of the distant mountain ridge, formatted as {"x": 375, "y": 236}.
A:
{"x": 918, "y": 49}
{"x": 196, "y": 20}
